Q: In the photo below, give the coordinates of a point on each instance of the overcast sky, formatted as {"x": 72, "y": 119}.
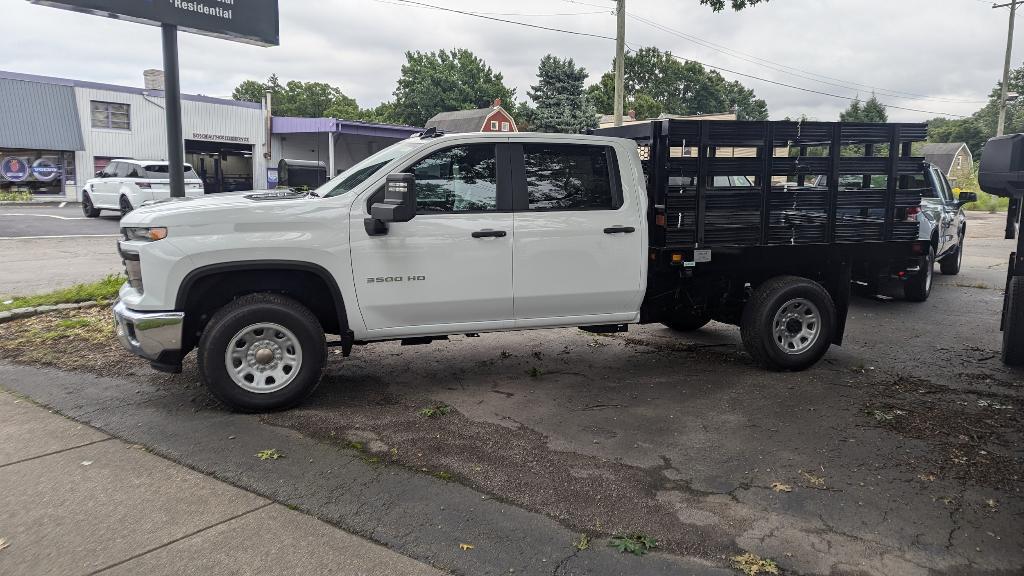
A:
{"x": 950, "y": 51}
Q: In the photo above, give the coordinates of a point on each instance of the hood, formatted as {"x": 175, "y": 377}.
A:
{"x": 222, "y": 208}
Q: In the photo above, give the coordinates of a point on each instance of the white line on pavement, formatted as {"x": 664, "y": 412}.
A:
{"x": 49, "y": 216}
{"x": 56, "y": 237}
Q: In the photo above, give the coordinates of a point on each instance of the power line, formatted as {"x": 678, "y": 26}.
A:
{"x": 811, "y": 90}
{"x": 587, "y": 34}
{"x": 807, "y": 75}
{"x": 496, "y": 19}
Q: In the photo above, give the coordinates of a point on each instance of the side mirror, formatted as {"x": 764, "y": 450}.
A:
{"x": 399, "y": 204}
{"x": 100, "y": 174}
{"x": 966, "y": 198}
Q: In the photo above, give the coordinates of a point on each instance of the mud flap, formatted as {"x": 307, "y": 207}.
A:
{"x": 838, "y": 285}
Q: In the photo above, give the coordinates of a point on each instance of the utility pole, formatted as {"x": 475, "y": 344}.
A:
{"x": 620, "y": 65}
{"x": 1006, "y": 66}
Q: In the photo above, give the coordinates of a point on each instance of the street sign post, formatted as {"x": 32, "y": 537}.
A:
{"x": 250, "y": 21}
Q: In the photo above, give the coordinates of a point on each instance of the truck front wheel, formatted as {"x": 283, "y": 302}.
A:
{"x": 789, "y": 323}
{"x": 262, "y": 352}
{"x": 1013, "y": 329}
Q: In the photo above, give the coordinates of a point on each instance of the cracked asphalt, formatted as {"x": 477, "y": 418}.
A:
{"x": 902, "y": 453}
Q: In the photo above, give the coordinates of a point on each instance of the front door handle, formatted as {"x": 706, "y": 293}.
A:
{"x": 620, "y": 230}
{"x": 489, "y": 234}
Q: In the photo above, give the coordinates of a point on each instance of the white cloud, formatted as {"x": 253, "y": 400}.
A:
{"x": 949, "y": 49}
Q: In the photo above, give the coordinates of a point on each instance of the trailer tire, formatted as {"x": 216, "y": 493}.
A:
{"x": 788, "y": 323}
{"x": 1013, "y": 329}
{"x": 686, "y": 321}
{"x": 919, "y": 287}
{"x": 262, "y": 352}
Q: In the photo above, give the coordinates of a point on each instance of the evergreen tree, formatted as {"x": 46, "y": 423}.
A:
{"x": 870, "y": 111}
{"x": 560, "y": 97}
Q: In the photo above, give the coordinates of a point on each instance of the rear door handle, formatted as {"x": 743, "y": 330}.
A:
{"x": 489, "y": 234}
{"x": 620, "y": 230}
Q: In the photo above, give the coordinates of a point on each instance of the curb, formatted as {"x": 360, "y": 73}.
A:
{"x": 19, "y": 313}
{"x": 38, "y": 203}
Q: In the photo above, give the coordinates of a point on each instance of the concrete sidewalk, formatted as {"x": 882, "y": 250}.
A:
{"x": 76, "y": 501}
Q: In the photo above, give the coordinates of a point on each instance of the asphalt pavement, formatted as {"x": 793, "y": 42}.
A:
{"x": 45, "y": 247}
{"x": 902, "y": 453}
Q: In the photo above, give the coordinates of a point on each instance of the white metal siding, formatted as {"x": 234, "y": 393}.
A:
{"x": 147, "y": 139}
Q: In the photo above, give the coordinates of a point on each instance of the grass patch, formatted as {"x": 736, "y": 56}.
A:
{"x": 752, "y": 565}
{"x": 637, "y": 543}
{"x": 104, "y": 290}
{"x": 988, "y": 203}
{"x": 15, "y": 196}
{"x": 435, "y": 411}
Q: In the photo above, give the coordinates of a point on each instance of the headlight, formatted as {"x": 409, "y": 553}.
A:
{"x": 144, "y": 234}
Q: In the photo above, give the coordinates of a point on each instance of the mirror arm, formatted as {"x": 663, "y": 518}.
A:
{"x": 375, "y": 227}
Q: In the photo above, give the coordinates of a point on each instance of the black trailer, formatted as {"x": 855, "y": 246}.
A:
{"x": 1002, "y": 174}
{"x": 742, "y": 232}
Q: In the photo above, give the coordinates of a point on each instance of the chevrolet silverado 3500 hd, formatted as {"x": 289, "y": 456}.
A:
{"x": 468, "y": 233}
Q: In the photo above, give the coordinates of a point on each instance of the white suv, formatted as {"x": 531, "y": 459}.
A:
{"x": 125, "y": 184}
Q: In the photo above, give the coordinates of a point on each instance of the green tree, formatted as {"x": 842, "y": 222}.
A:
{"x": 444, "y": 81}
{"x": 719, "y": 5}
{"x": 870, "y": 111}
{"x": 560, "y": 97}
{"x": 304, "y": 99}
{"x": 657, "y": 82}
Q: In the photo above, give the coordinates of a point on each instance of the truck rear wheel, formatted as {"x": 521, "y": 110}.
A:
{"x": 1013, "y": 329}
{"x": 919, "y": 287}
{"x": 262, "y": 352}
{"x": 788, "y": 324}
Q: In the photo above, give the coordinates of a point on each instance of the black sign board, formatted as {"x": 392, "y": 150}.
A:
{"x": 250, "y": 21}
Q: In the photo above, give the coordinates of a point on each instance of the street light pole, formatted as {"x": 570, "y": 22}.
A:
{"x": 620, "y": 65}
{"x": 172, "y": 107}
{"x": 1006, "y": 67}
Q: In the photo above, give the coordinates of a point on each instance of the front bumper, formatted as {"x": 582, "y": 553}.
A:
{"x": 155, "y": 336}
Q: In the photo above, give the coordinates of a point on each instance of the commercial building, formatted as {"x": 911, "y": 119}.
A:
{"x": 63, "y": 131}
{"x": 56, "y": 133}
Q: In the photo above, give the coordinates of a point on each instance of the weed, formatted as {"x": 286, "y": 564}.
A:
{"x": 269, "y": 454}
{"x": 636, "y": 543}
{"x": 582, "y": 543}
{"x": 505, "y": 354}
{"x": 752, "y": 565}
{"x": 103, "y": 290}
{"x": 435, "y": 411}
{"x": 534, "y": 372}
{"x": 357, "y": 446}
{"x": 15, "y": 196}
{"x": 76, "y": 323}
{"x": 446, "y": 476}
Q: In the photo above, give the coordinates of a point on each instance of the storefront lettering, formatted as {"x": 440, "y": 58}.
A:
{"x": 44, "y": 170}
{"x": 220, "y": 138}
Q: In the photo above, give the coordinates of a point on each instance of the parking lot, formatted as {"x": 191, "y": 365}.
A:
{"x": 47, "y": 247}
{"x": 901, "y": 453}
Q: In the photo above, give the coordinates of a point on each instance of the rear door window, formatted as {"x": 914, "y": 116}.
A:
{"x": 571, "y": 177}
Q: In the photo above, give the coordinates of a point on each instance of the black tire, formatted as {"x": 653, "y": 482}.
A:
{"x": 1013, "y": 329}
{"x": 88, "y": 209}
{"x": 126, "y": 206}
{"x": 685, "y": 321}
{"x": 252, "y": 310}
{"x": 950, "y": 265}
{"x": 918, "y": 288}
{"x": 777, "y": 297}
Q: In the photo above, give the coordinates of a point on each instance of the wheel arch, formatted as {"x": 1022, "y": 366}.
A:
{"x": 206, "y": 289}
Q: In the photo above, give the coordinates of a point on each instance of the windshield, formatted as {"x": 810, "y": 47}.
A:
{"x": 358, "y": 174}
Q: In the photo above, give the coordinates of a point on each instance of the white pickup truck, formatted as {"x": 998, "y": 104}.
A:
{"x": 433, "y": 236}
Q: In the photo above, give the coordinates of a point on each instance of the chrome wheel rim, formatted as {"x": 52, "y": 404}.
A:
{"x": 263, "y": 358}
{"x": 797, "y": 326}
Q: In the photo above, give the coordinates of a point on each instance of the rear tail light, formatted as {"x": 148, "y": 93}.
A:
{"x": 912, "y": 213}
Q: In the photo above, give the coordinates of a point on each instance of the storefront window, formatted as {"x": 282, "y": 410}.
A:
{"x": 34, "y": 171}
{"x": 111, "y": 115}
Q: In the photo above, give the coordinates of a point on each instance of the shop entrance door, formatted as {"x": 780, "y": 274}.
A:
{"x": 223, "y": 167}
